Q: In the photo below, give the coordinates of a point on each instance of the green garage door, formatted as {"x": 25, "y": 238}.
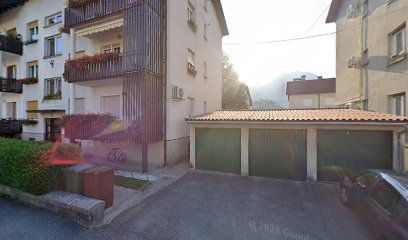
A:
{"x": 277, "y": 153}
{"x": 218, "y": 149}
{"x": 341, "y": 153}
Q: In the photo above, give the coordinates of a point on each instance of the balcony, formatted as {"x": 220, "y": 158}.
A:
{"x": 98, "y": 67}
{"x": 82, "y": 11}
{"x": 10, "y": 127}
{"x": 11, "y": 44}
{"x": 10, "y": 85}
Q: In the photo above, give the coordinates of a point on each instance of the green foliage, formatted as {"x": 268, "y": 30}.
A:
{"x": 24, "y": 165}
{"x": 235, "y": 94}
{"x": 69, "y": 152}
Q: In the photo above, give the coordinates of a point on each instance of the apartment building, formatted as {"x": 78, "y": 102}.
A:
{"x": 371, "y": 48}
{"x": 314, "y": 93}
{"x": 152, "y": 63}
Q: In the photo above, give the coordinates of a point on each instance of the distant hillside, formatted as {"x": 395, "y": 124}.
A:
{"x": 275, "y": 90}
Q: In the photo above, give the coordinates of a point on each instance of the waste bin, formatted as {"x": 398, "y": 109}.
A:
{"x": 98, "y": 183}
{"x": 74, "y": 182}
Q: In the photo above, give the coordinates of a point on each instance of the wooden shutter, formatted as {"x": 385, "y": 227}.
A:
{"x": 32, "y": 105}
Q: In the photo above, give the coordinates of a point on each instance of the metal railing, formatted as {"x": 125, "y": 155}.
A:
{"x": 108, "y": 68}
{"x": 86, "y": 10}
{"x": 10, "y": 85}
{"x": 11, "y": 45}
{"x": 11, "y": 126}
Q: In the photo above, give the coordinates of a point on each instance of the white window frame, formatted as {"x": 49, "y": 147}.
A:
{"x": 307, "y": 102}
{"x": 398, "y": 101}
{"x": 32, "y": 70}
{"x": 56, "y": 50}
{"x": 54, "y": 88}
{"x": 396, "y": 50}
{"x": 191, "y": 57}
{"x": 191, "y": 13}
{"x": 56, "y": 18}
{"x": 33, "y": 36}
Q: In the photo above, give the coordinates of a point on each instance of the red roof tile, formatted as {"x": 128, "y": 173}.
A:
{"x": 301, "y": 115}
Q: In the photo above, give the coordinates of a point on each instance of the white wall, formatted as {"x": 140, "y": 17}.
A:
{"x": 181, "y": 38}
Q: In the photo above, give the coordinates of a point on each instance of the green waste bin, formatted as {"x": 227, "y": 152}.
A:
{"x": 74, "y": 181}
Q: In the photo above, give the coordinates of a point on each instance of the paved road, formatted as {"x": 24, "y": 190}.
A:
{"x": 208, "y": 206}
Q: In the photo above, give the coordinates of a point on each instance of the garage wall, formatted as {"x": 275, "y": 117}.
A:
{"x": 311, "y": 142}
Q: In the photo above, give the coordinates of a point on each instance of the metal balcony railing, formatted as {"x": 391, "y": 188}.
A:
{"x": 10, "y": 85}
{"x": 11, "y": 44}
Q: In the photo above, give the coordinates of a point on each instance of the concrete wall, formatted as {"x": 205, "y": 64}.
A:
{"x": 296, "y": 101}
{"x": 398, "y": 143}
{"x": 377, "y": 80}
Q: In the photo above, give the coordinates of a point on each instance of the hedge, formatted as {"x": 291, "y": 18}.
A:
{"x": 24, "y": 165}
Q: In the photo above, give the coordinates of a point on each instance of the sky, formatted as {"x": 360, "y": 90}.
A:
{"x": 269, "y": 20}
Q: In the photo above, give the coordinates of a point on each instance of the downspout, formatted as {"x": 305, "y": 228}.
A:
{"x": 165, "y": 85}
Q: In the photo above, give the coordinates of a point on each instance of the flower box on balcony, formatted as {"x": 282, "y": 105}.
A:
{"x": 27, "y": 80}
{"x": 86, "y": 60}
{"x": 28, "y": 122}
{"x": 55, "y": 96}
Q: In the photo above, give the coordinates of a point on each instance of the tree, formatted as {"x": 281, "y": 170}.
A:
{"x": 235, "y": 94}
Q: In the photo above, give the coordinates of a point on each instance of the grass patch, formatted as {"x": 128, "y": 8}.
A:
{"x": 131, "y": 183}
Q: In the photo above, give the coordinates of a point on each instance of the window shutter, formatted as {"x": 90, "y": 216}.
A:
{"x": 32, "y": 24}
{"x": 32, "y": 105}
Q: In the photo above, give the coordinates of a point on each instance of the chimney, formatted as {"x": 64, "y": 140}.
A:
{"x": 320, "y": 77}
{"x": 303, "y": 77}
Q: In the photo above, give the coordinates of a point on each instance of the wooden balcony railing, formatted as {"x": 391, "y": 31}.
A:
{"x": 11, "y": 45}
{"x": 10, "y": 85}
{"x": 82, "y": 11}
{"x": 10, "y": 126}
{"x": 106, "y": 68}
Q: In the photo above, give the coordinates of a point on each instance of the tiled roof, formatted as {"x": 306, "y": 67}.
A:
{"x": 325, "y": 85}
{"x": 301, "y": 115}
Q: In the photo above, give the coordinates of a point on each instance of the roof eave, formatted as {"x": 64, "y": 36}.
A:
{"x": 305, "y": 122}
{"x": 221, "y": 17}
{"x": 334, "y": 8}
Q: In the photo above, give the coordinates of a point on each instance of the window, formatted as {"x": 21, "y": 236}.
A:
{"x": 32, "y": 69}
{"x": 205, "y": 30}
{"x": 11, "y": 111}
{"x": 191, "y": 57}
{"x": 111, "y": 104}
{"x": 79, "y": 105}
{"x": 112, "y": 48}
{"x": 53, "y": 19}
{"x": 53, "y": 88}
{"x": 80, "y": 54}
{"x": 191, "y": 110}
{"x": 366, "y": 181}
{"x": 205, "y": 5}
{"x": 385, "y": 195}
{"x": 53, "y": 46}
{"x": 397, "y": 104}
{"x": 32, "y": 32}
{"x": 330, "y": 102}
{"x": 32, "y": 105}
{"x": 12, "y": 72}
{"x": 190, "y": 14}
{"x": 205, "y": 71}
{"x": 307, "y": 102}
{"x": 205, "y": 107}
{"x": 397, "y": 42}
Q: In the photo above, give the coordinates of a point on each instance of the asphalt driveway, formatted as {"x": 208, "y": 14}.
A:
{"x": 209, "y": 206}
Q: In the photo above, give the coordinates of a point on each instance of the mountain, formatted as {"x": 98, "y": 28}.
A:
{"x": 275, "y": 90}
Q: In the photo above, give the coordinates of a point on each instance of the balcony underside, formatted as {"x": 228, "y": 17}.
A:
{"x": 6, "y": 5}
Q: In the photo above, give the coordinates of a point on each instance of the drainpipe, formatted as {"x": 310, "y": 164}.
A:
{"x": 72, "y": 85}
{"x": 165, "y": 84}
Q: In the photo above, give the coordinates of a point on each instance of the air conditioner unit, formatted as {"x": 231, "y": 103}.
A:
{"x": 178, "y": 93}
{"x": 191, "y": 69}
{"x": 354, "y": 10}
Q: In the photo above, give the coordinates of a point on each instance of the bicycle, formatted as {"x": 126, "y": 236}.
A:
{"x": 116, "y": 155}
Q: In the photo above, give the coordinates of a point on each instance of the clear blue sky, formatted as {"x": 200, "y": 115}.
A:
{"x": 266, "y": 20}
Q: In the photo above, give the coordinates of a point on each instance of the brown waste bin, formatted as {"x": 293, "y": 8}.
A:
{"x": 98, "y": 184}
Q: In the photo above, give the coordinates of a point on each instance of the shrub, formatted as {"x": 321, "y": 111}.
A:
{"x": 24, "y": 165}
{"x": 68, "y": 152}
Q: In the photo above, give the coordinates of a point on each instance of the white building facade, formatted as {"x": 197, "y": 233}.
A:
{"x": 191, "y": 73}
